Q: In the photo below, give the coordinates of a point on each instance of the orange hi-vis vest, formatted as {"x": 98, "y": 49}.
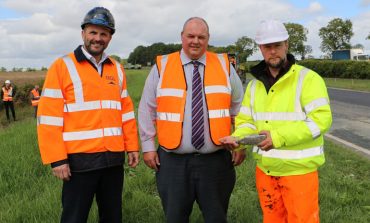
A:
{"x": 35, "y": 94}
{"x": 83, "y": 112}
{"x": 171, "y": 96}
{"x": 7, "y": 94}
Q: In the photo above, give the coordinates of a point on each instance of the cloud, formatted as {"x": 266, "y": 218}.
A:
{"x": 365, "y": 3}
{"x": 50, "y": 29}
{"x": 314, "y": 7}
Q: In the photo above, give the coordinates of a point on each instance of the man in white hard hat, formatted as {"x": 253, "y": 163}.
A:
{"x": 7, "y": 94}
{"x": 289, "y": 104}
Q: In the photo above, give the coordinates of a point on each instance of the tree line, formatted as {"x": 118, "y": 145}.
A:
{"x": 336, "y": 35}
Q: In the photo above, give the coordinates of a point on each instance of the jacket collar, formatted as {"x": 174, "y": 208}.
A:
{"x": 185, "y": 59}
{"x": 261, "y": 69}
{"x": 262, "y": 73}
{"x": 80, "y": 56}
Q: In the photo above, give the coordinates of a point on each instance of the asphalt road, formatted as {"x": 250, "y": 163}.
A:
{"x": 351, "y": 116}
{"x": 350, "y": 97}
{"x": 351, "y": 119}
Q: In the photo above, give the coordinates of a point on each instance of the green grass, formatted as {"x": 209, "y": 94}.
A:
{"x": 29, "y": 192}
{"x": 351, "y": 84}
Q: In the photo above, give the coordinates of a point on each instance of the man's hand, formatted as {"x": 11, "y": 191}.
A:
{"x": 238, "y": 157}
{"x": 62, "y": 172}
{"x": 133, "y": 159}
{"x": 229, "y": 142}
{"x": 266, "y": 144}
{"x": 151, "y": 159}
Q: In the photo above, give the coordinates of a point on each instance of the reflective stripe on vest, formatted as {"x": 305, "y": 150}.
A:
{"x": 297, "y": 115}
{"x": 87, "y": 112}
{"x": 6, "y": 93}
{"x": 51, "y": 93}
{"x": 172, "y": 92}
{"x": 171, "y": 96}
{"x": 245, "y": 110}
{"x": 77, "y": 85}
{"x": 315, "y": 104}
{"x": 50, "y": 120}
{"x": 167, "y": 116}
{"x": 128, "y": 116}
{"x": 248, "y": 125}
{"x": 80, "y": 104}
{"x": 92, "y": 105}
{"x": 290, "y": 154}
{"x": 124, "y": 94}
{"x": 221, "y": 113}
{"x": 92, "y": 134}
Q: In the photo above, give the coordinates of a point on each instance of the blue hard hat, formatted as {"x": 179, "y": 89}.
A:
{"x": 99, "y": 16}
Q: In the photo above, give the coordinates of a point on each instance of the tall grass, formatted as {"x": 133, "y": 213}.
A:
{"x": 29, "y": 192}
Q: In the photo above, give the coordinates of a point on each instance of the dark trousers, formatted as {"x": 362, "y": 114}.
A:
{"x": 7, "y": 105}
{"x": 78, "y": 194}
{"x": 207, "y": 179}
{"x": 36, "y": 111}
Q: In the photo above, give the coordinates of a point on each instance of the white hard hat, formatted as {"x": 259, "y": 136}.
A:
{"x": 271, "y": 31}
{"x": 7, "y": 82}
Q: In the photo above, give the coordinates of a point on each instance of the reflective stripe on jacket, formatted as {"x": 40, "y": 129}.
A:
{"x": 83, "y": 112}
{"x": 171, "y": 96}
{"x": 35, "y": 94}
{"x": 7, "y": 94}
{"x": 297, "y": 113}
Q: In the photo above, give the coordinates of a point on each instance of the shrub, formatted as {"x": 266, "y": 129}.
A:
{"x": 339, "y": 68}
{"x": 22, "y": 94}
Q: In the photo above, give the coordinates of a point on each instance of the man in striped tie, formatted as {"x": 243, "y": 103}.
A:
{"x": 189, "y": 100}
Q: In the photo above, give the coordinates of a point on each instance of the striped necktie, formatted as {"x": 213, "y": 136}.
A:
{"x": 197, "y": 133}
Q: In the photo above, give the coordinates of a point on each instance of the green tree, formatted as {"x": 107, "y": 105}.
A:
{"x": 307, "y": 50}
{"x": 368, "y": 37}
{"x": 30, "y": 69}
{"x": 244, "y": 47}
{"x": 3, "y": 69}
{"x": 358, "y": 46}
{"x": 222, "y": 49}
{"x": 117, "y": 58}
{"x": 144, "y": 54}
{"x": 297, "y": 37}
{"x": 336, "y": 35}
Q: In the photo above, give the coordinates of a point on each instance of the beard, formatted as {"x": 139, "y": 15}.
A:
{"x": 276, "y": 65}
{"x": 95, "y": 52}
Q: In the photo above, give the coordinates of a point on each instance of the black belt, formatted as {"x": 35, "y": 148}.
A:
{"x": 220, "y": 151}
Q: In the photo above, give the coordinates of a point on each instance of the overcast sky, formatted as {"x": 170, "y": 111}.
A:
{"x": 34, "y": 33}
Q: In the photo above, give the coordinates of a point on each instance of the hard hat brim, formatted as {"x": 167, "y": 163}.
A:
{"x": 272, "y": 40}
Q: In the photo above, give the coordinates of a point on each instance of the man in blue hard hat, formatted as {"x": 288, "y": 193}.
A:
{"x": 86, "y": 124}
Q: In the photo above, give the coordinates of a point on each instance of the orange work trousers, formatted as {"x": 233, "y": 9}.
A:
{"x": 288, "y": 199}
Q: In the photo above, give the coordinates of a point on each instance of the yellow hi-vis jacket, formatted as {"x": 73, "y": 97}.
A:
{"x": 171, "y": 96}
{"x": 83, "y": 112}
{"x": 297, "y": 113}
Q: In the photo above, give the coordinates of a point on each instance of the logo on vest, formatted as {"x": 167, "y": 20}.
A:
{"x": 111, "y": 79}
